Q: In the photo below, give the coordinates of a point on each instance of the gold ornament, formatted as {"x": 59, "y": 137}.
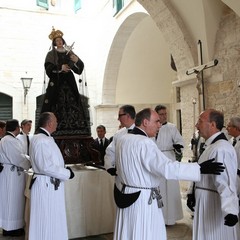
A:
{"x": 55, "y": 34}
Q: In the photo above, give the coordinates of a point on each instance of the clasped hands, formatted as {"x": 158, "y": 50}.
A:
{"x": 65, "y": 68}
{"x": 74, "y": 58}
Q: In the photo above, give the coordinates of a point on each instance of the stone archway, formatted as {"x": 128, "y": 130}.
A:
{"x": 115, "y": 56}
{"x": 176, "y": 35}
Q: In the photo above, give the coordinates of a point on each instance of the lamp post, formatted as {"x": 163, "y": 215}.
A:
{"x": 26, "y": 81}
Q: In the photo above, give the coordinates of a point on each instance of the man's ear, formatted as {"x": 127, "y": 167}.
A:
{"x": 145, "y": 122}
{"x": 49, "y": 124}
{"x": 213, "y": 124}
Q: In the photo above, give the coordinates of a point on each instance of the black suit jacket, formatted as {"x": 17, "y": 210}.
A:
{"x": 96, "y": 145}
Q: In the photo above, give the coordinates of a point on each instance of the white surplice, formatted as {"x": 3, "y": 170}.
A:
{"x": 110, "y": 154}
{"x": 47, "y": 205}
{"x": 109, "y": 158}
{"x": 172, "y": 210}
{"x": 237, "y": 149}
{"x": 23, "y": 138}
{"x": 12, "y": 183}
{"x": 140, "y": 163}
{"x": 220, "y": 195}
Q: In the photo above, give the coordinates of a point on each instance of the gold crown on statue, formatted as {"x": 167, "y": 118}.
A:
{"x": 55, "y": 34}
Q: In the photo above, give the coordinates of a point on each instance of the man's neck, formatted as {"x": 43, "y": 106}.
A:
{"x": 210, "y": 138}
{"x": 46, "y": 130}
{"x": 130, "y": 125}
{"x": 25, "y": 133}
{"x": 12, "y": 133}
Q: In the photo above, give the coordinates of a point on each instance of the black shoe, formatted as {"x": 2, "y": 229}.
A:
{"x": 14, "y": 233}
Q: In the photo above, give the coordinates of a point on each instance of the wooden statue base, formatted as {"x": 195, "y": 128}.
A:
{"x": 77, "y": 149}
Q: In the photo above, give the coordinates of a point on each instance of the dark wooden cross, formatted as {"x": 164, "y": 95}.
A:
{"x": 198, "y": 70}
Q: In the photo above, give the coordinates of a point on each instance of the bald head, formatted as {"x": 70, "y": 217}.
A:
{"x": 210, "y": 122}
{"x": 48, "y": 121}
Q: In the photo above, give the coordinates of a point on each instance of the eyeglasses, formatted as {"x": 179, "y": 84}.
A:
{"x": 120, "y": 115}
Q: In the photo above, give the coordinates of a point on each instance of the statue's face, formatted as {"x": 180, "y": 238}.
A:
{"x": 58, "y": 42}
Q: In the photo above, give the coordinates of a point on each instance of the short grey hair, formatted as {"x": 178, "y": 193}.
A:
{"x": 235, "y": 121}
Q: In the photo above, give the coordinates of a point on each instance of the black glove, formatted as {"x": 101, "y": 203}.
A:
{"x": 193, "y": 141}
{"x": 230, "y": 220}
{"x": 178, "y": 152}
{"x": 177, "y": 147}
{"x": 71, "y": 173}
{"x": 238, "y": 172}
{"x": 191, "y": 202}
{"x": 112, "y": 171}
{"x": 1, "y": 167}
{"x": 210, "y": 167}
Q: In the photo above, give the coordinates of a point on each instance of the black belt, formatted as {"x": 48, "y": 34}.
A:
{"x": 207, "y": 189}
{"x": 155, "y": 193}
{"x": 13, "y": 167}
{"x": 55, "y": 181}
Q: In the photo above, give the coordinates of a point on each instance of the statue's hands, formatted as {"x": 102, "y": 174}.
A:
{"x": 210, "y": 167}
{"x": 65, "y": 68}
{"x": 74, "y": 58}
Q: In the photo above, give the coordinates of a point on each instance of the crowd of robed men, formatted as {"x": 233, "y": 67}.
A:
{"x": 47, "y": 205}
{"x": 139, "y": 168}
{"x": 142, "y": 157}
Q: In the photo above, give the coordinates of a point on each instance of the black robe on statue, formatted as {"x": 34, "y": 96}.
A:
{"x": 62, "y": 96}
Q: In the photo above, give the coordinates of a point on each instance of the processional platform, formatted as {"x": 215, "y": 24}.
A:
{"x": 73, "y": 135}
{"x": 77, "y": 149}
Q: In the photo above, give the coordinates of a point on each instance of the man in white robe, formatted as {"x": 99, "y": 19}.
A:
{"x": 170, "y": 142}
{"x": 24, "y": 136}
{"x": 233, "y": 128}
{"x": 12, "y": 181}
{"x": 126, "y": 117}
{"x": 140, "y": 166}
{"x": 47, "y": 212}
{"x": 216, "y": 210}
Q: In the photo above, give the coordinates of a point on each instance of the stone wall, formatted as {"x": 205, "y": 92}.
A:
{"x": 221, "y": 83}
{"x": 223, "y": 90}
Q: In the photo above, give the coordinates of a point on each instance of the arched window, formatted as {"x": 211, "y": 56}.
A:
{"x": 5, "y": 107}
{"x": 39, "y": 103}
